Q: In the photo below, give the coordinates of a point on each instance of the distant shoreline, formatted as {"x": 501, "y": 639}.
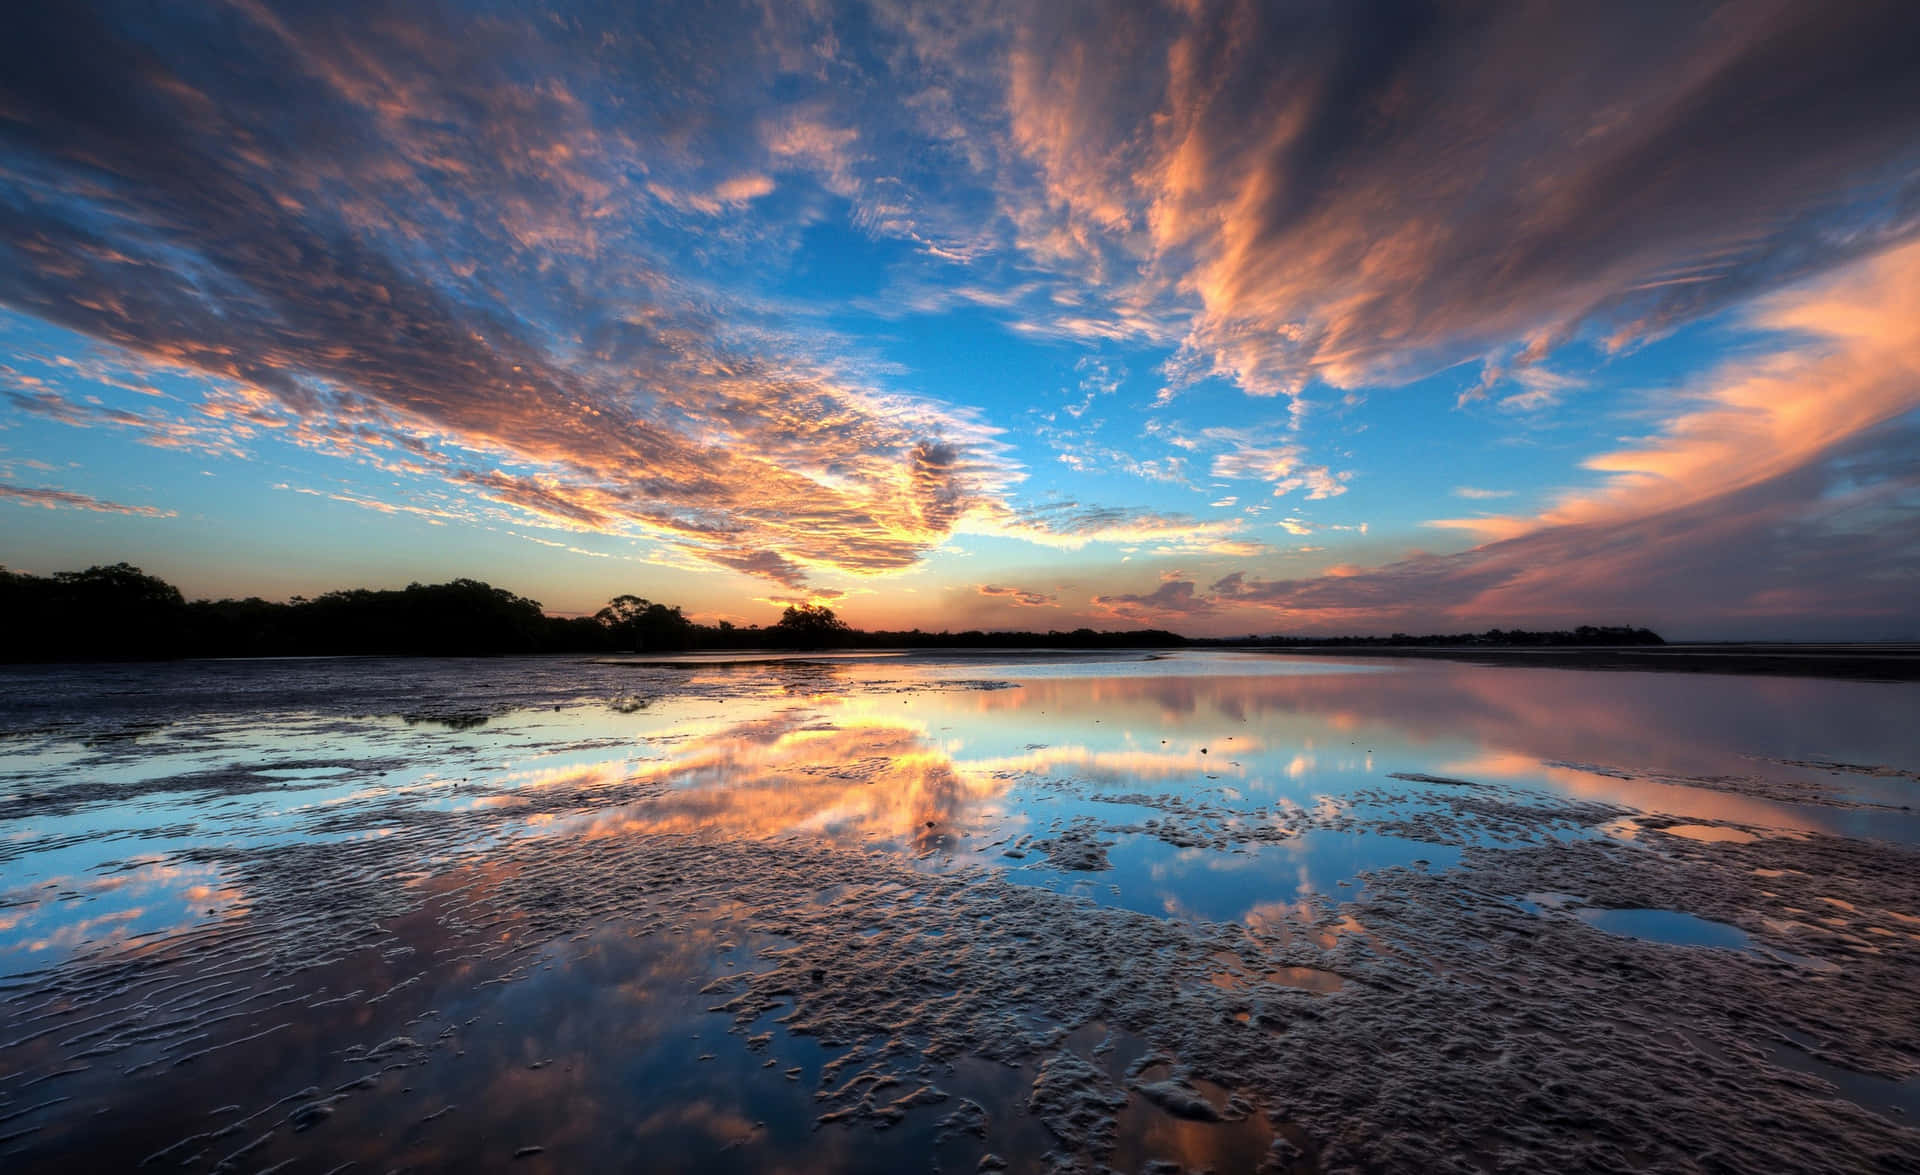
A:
{"x": 1889, "y": 662}
{"x": 1892, "y": 662}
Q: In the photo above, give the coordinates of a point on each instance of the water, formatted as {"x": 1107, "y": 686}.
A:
{"x": 722, "y": 914}
{"x": 1668, "y": 926}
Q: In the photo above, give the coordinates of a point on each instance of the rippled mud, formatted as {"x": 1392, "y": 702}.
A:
{"x": 917, "y": 914}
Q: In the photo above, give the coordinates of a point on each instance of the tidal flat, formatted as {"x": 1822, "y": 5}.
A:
{"x": 1125, "y": 912}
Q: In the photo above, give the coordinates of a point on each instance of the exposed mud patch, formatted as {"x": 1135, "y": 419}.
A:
{"x": 1077, "y": 849}
{"x": 783, "y": 929}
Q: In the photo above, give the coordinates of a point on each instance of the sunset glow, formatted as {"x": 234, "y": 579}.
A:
{"x": 1210, "y": 316}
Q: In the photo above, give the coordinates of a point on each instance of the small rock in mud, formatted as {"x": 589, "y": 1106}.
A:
{"x": 1179, "y": 1099}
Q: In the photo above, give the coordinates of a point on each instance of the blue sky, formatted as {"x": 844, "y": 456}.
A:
{"x": 1222, "y": 318}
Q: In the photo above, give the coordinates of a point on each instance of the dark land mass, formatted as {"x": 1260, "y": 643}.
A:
{"x": 120, "y": 613}
{"x": 1499, "y": 638}
{"x": 1859, "y": 662}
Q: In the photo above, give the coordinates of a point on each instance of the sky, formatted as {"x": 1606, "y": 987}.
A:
{"x": 1223, "y": 317}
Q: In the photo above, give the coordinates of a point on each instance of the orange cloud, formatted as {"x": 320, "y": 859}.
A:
{"x": 490, "y": 255}
{"x": 1748, "y": 504}
{"x": 1356, "y": 197}
{"x": 1753, "y": 421}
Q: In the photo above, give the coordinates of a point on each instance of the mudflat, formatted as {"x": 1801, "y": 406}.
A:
{"x": 1243, "y": 911}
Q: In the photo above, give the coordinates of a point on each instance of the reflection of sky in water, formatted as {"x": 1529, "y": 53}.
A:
{"x": 1249, "y": 883}
{"x": 863, "y": 751}
{"x": 1668, "y": 926}
{"x": 1671, "y": 927}
{"x": 1880, "y": 1094}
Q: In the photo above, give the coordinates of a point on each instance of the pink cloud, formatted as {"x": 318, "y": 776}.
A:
{"x": 1017, "y": 597}
{"x": 1173, "y": 601}
{"x": 1785, "y": 492}
{"x": 52, "y": 499}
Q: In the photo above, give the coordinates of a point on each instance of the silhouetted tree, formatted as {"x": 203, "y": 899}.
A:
{"x": 121, "y": 612}
{"x": 811, "y": 626}
{"x": 1586, "y": 634}
{"x": 114, "y": 611}
{"x": 643, "y": 626}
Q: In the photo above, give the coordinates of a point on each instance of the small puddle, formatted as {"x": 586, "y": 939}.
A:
{"x": 1630, "y": 828}
{"x": 1671, "y": 927}
{"x": 1668, "y": 926}
{"x": 1711, "y": 833}
{"x": 1882, "y": 1095}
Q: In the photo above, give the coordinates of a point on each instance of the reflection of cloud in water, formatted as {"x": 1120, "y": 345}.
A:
{"x": 869, "y": 780}
{"x": 1099, "y": 765}
{"x": 748, "y": 852}
{"x": 1515, "y": 720}
{"x": 145, "y": 898}
{"x": 1645, "y": 794}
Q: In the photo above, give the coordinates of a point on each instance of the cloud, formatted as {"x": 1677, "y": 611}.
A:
{"x": 1091, "y": 458}
{"x": 1017, "y": 597}
{"x": 1785, "y": 558}
{"x": 1282, "y": 468}
{"x": 51, "y": 499}
{"x": 1364, "y": 193}
{"x": 1849, "y": 362}
{"x": 1785, "y": 495}
{"x": 1478, "y": 495}
{"x": 1072, "y": 525}
{"x": 527, "y": 261}
{"x": 398, "y": 247}
{"x": 1097, "y": 378}
{"x": 1542, "y": 389}
{"x": 816, "y": 598}
{"x": 728, "y": 195}
{"x": 1174, "y": 600}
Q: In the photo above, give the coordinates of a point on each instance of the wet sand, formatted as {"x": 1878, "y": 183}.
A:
{"x": 1202, "y": 912}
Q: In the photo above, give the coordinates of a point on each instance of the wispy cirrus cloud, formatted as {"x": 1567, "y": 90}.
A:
{"x": 532, "y": 270}
{"x": 434, "y": 262}
{"x": 1786, "y": 492}
{"x": 1366, "y": 193}
{"x": 1072, "y": 525}
{"x": 55, "y": 499}
{"x": 1849, "y": 363}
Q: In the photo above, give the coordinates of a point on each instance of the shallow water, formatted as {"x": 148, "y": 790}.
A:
{"x": 906, "y": 911}
{"x": 1668, "y": 926}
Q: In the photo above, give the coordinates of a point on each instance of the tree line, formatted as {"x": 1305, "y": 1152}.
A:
{"x": 1493, "y": 638}
{"x": 119, "y": 612}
